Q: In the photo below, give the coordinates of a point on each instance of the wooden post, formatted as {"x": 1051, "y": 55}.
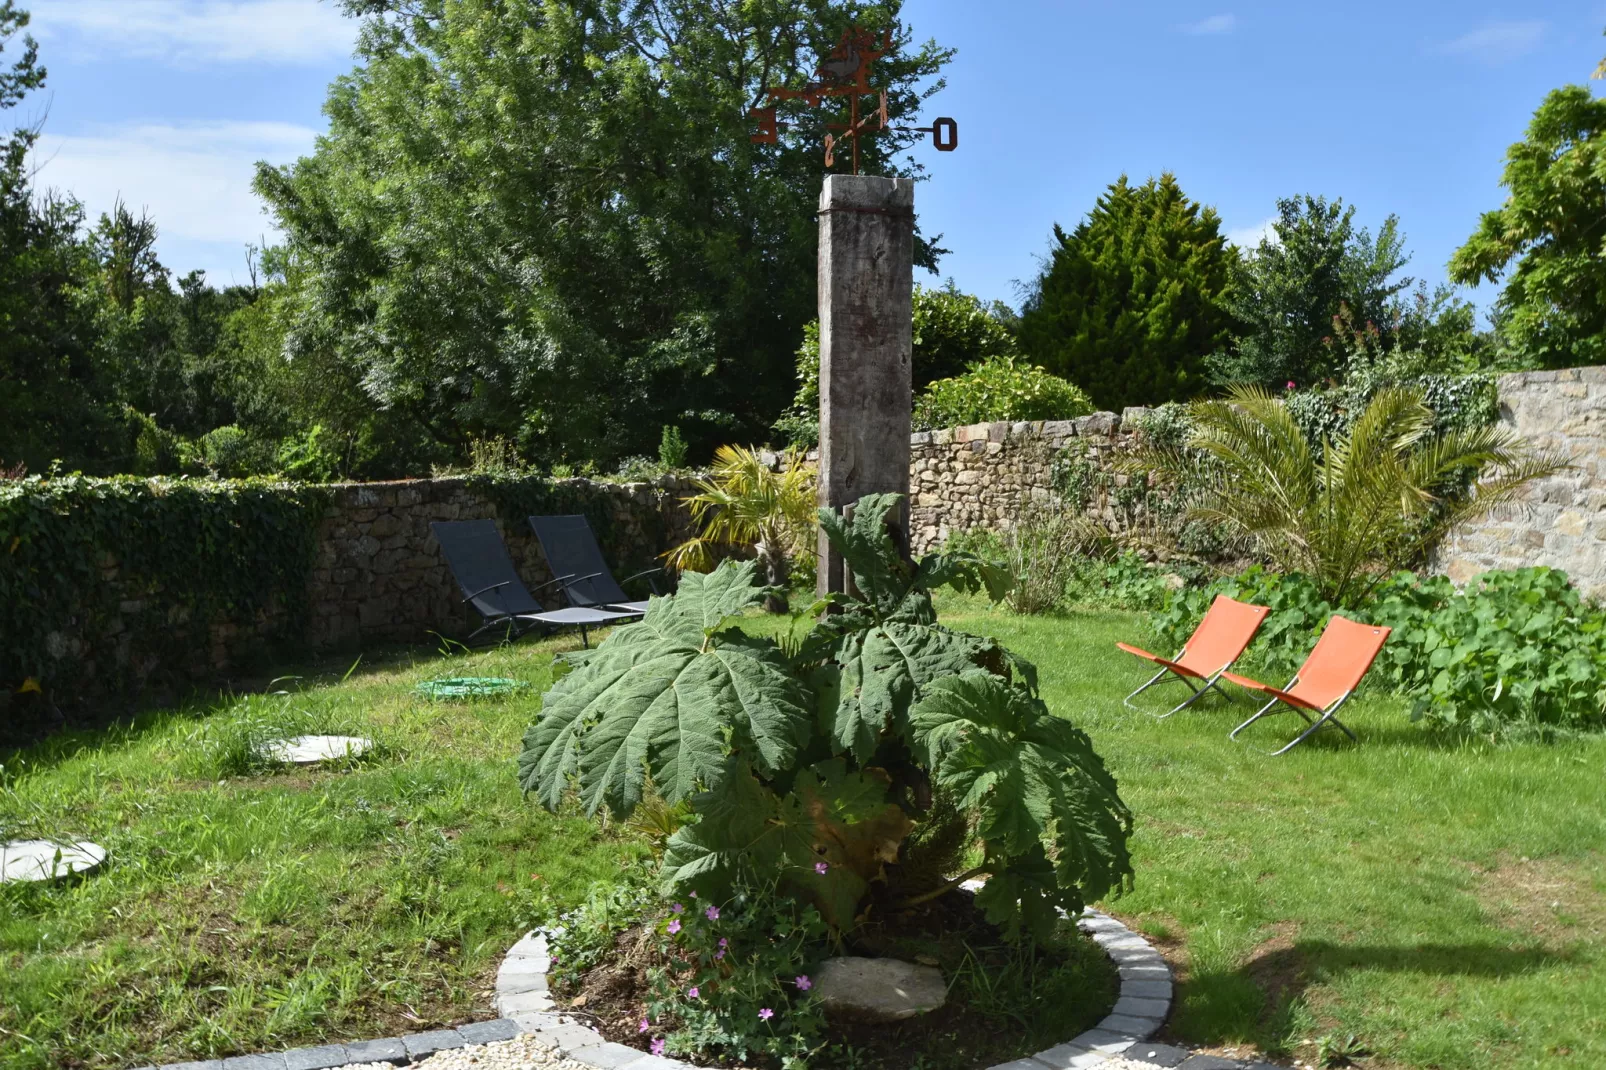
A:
{"x": 866, "y": 279}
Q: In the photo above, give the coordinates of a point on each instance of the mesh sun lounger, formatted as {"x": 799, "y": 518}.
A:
{"x": 480, "y": 562}
{"x": 1215, "y": 644}
{"x": 1325, "y": 682}
{"x": 573, "y": 554}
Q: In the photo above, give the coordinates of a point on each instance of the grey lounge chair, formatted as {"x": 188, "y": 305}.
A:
{"x": 573, "y": 554}
{"x": 480, "y": 563}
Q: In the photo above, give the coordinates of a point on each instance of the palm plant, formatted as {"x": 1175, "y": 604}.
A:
{"x": 745, "y": 503}
{"x": 1369, "y": 502}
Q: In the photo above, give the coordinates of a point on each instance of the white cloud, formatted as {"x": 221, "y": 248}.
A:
{"x": 1250, "y": 237}
{"x": 1215, "y": 24}
{"x": 1497, "y": 42}
{"x": 200, "y": 31}
{"x": 195, "y": 178}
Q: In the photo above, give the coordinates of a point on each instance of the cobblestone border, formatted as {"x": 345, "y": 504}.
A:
{"x": 526, "y": 1007}
{"x": 1144, "y": 1002}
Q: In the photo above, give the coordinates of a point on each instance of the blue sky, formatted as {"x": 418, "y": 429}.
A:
{"x": 1403, "y": 107}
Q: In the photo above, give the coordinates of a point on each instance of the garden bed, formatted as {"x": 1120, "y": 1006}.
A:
{"x": 1004, "y": 1002}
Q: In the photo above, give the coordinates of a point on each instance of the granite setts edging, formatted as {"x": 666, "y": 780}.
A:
{"x": 1143, "y": 1003}
{"x": 526, "y": 1007}
{"x": 397, "y": 1050}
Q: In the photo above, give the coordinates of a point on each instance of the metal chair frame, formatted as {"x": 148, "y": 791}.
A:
{"x": 1329, "y": 713}
{"x": 1199, "y": 690}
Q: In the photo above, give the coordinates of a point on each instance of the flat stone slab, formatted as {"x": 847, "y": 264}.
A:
{"x": 45, "y": 860}
{"x": 310, "y": 750}
{"x": 878, "y": 990}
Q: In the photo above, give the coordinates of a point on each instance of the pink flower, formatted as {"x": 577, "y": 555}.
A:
{"x": 821, "y": 867}
{"x": 1290, "y": 384}
{"x": 803, "y": 983}
{"x": 657, "y": 1045}
{"x": 694, "y": 895}
{"x": 719, "y": 954}
{"x": 766, "y": 1014}
{"x": 678, "y": 909}
{"x": 691, "y": 993}
{"x": 713, "y": 913}
{"x": 674, "y": 926}
{"x": 723, "y": 942}
{"x": 642, "y": 1028}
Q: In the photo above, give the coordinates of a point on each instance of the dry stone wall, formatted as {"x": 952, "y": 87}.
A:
{"x": 379, "y": 575}
{"x": 980, "y": 476}
{"x": 1562, "y": 522}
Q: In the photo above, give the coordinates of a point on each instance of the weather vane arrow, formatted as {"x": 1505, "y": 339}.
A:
{"x": 846, "y": 73}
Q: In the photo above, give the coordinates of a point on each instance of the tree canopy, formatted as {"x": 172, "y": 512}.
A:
{"x": 1288, "y": 290}
{"x": 1131, "y": 301}
{"x": 1546, "y": 239}
{"x": 547, "y": 221}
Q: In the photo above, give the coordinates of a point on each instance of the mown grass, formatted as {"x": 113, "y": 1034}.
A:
{"x": 247, "y": 908}
{"x": 1443, "y": 900}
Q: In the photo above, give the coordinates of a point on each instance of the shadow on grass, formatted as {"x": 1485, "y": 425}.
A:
{"x": 123, "y": 722}
{"x": 1263, "y": 1000}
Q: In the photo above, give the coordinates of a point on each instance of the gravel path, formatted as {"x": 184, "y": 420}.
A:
{"x": 525, "y": 1052}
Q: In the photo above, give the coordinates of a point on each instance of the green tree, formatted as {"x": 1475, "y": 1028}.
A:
{"x": 1547, "y": 237}
{"x": 546, "y": 219}
{"x": 1288, "y": 290}
{"x": 1131, "y": 301}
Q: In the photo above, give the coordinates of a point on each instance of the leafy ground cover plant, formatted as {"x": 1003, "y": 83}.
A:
{"x": 1513, "y": 653}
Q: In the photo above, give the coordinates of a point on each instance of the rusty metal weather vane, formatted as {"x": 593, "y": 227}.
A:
{"x": 846, "y": 73}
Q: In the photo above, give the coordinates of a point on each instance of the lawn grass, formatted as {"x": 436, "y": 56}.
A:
{"x": 244, "y": 910}
{"x": 1445, "y": 902}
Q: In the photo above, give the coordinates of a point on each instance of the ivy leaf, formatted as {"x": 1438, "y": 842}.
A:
{"x": 663, "y": 699}
{"x": 884, "y": 669}
{"x": 1033, "y": 780}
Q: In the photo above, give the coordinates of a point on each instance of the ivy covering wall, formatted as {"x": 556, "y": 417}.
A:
{"x": 104, "y": 579}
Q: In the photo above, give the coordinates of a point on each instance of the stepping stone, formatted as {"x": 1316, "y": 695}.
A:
{"x": 878, "y": 990}
{"x": 43, "y": 860}
{"x": 310, "y": 750}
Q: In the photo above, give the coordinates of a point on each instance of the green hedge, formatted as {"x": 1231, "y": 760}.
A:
{"x": 220, "y": 550}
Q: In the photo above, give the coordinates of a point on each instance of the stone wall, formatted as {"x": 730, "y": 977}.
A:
{"x": 979, "y": 476}
{"x": 379, "y": 575}
{"x": 1562, "y": 522}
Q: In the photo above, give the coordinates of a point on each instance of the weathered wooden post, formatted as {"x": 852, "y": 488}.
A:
{"x": 866, "y": 278}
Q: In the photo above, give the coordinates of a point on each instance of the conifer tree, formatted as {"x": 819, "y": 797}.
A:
{"x": 1130, "y": 302}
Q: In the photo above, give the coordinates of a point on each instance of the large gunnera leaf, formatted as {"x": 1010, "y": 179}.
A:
{"x": 676, "y": 698}
{"x": 1054, "y": 826}
{"x": 884, "y": 668}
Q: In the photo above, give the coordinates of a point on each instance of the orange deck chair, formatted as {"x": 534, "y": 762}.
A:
{"x": 1215, "y": 644}
{"x": 1329, "y": 676}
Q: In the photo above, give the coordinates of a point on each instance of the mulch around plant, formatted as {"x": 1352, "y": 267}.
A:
{"x": 962, "y": 1035}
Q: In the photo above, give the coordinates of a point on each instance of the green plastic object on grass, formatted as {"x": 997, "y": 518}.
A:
{"x": 461, "y": 687}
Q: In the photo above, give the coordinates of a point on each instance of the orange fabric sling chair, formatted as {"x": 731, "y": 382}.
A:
{"x": 1325, "y": 682}
{"x": 1215, "y": 644}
